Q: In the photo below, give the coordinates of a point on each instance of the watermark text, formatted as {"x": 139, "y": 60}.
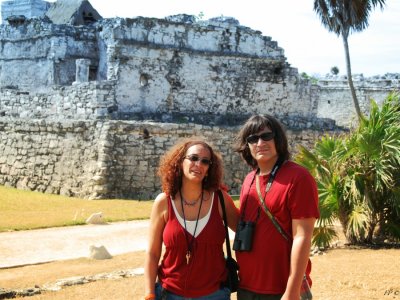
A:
{"x": 392, "y": 292}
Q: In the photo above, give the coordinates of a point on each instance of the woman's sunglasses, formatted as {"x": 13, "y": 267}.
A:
{"x": 196, "y": 158}
{"x": 266, "y": 136}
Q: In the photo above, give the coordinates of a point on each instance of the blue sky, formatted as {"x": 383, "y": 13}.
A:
{"x": 293, "y": 25}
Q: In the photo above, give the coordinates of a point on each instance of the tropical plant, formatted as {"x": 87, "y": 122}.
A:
{"x": 358, "y": 177}
{"x": 343, "y": 17}
{"x": 320, "y": 165}
{"x": 375, "y": 164}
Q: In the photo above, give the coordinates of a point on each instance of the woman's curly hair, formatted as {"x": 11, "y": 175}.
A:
{"x": 170, "y": 169}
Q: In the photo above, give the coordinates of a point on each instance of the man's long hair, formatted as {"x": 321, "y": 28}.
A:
{"x": 255, "y": 124}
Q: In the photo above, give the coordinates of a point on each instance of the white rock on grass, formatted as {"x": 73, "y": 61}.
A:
{"x": 96, "y": 218}
{"x": 99, "y": 252}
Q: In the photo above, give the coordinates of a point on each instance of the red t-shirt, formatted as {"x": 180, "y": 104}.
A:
{"x": 206, "y": 269}
{"x": 293, "y": 195}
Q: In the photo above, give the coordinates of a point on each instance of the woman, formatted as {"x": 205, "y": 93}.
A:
{"x": 187, "y": 218}
{"x": 273, "y": 267}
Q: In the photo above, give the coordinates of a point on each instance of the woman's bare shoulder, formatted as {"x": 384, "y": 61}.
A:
{"x": 161, "y": 201}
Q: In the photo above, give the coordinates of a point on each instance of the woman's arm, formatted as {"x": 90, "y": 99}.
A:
{"x": 158, "y": 217}
{"x": 302, "y": 233}
{"x": 232, "y": 212}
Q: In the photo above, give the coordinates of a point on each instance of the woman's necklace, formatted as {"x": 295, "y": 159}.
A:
{"x": 194, "y": 202}
{"x": 190, "y": 244}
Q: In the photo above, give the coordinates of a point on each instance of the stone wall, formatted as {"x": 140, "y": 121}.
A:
{"x": 38, "y": 55}
{"x": 83, "y": 101}
{"x": 325, "y": 101}
{"x": 48, "y": 156}
{"x": 27, "y": 8}
{"x": 335, "y": 101}
{"x": 183, "y": 67}
{"x": 168, "y": 70}
{"x": 107, "y": 159}
{"x": 75, "y": 101}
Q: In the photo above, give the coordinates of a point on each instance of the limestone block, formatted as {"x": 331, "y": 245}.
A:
{"x": 96, "y": 218}
{"x": 99, "y": 252}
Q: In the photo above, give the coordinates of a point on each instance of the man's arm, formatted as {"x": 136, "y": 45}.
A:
{"x": 302, "y": 234}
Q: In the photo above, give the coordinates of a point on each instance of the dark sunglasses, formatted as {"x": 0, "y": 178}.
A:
{"x": 266, "y": 136}
{"x": 196, "y": 158}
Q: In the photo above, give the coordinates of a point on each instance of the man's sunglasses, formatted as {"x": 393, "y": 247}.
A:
{"x": 266, "y": 136}
{"x": 195, "y": 158}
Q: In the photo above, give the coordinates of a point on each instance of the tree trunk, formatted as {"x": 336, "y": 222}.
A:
{"x": 350, "y": 78}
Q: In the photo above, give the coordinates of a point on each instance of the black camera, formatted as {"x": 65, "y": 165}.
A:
{"x": 244, "y": 236}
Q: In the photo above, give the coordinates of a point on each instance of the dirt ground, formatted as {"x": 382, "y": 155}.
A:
{"x": 340, "y": 273}
{"x": 343, "y": 272}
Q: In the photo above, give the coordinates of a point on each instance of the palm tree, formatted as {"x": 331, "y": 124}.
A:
{"x": 343, "y": 17}
{"x": 358, "y": 176}
{"x": 322, "y": 163}
{"x": 374, "y": 162}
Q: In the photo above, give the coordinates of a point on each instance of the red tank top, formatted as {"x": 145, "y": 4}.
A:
{"x": 206, "y": 269}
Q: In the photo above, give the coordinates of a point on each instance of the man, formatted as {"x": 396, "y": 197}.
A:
{"x": 273, "y": 266}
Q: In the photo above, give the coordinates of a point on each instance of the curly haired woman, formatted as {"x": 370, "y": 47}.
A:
{"x": 187, "y": 218}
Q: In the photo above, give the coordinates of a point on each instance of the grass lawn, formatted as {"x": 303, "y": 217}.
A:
{"x": 22, "y": 210}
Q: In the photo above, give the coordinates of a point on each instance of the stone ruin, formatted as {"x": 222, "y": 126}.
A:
{"x": 88, "y": 106}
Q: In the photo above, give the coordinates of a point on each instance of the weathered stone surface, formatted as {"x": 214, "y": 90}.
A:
{"x": 99, "y": 252}
{"x": 96, "y": 218}
{"x": 61, "y": 283}
{"x": 74, "y": 12}
{"x": 7, "y": 294}
{"x": 28, "y": 9}
{"x": 112, "y": 159}
{"x": 98, "y": 132}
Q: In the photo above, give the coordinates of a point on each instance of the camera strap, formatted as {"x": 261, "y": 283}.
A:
{"x": 245, "y": 201}
{"x": 262, "y": 200}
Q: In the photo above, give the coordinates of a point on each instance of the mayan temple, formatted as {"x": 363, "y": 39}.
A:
{"x": 27, "y": 8}
{"x": 88, "y": 104}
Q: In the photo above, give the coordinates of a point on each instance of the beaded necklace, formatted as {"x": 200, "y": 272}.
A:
{"x": 190, "y": 243}
{"x": 194, "y": 202}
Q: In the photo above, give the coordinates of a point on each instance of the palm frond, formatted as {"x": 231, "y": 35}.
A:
{"x": 323, "y": 236}
{"x": 357, "y": 221}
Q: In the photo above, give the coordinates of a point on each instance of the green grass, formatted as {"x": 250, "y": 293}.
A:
{"x": 23, "y": 210}
{"x": 235, "y": 198}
